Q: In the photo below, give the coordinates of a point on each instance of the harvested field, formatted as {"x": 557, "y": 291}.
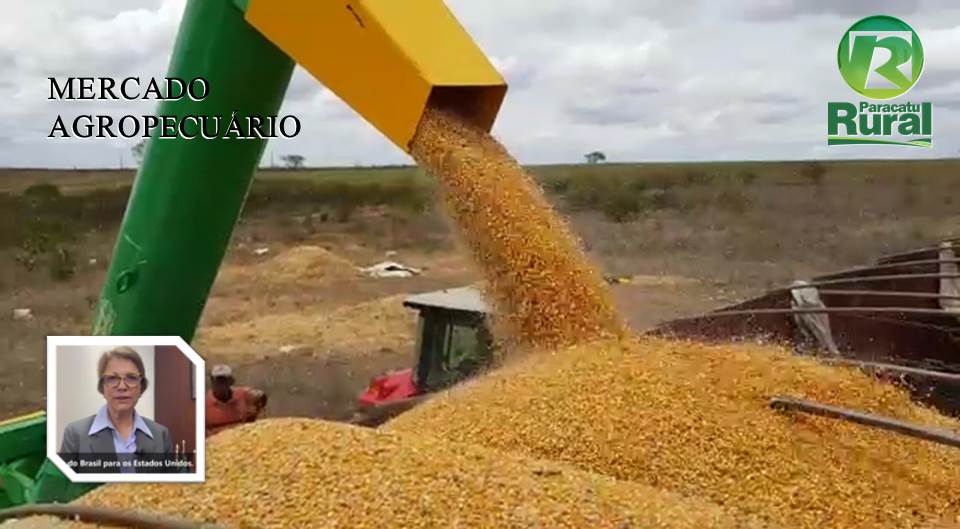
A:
{"x": 291, "y": 473}
{"x": 661, "y": 281}
{"x": 544, "y": 289}
{"x": 297, "y": 265}
{"x": 901, "y": 204}
{"x": 695, "y": 419}
{"x": 362, "y": 329}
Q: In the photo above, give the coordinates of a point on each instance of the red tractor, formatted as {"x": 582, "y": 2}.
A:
{"x": 454, "y": 343}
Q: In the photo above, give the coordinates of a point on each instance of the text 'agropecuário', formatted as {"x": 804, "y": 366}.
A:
{"x": 182, "y": 113}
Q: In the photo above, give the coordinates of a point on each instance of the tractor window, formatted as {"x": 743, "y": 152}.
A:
{"x": 454, "y": 349}
{"x": 463, "y": 345}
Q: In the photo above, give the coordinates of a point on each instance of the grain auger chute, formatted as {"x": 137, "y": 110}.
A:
{"x": 388, "y": 60}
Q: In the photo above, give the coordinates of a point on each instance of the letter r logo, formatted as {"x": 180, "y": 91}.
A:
{"x": 880, "y": 57}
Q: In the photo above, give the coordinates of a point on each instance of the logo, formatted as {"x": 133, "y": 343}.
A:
{"x": 880, "y": 58}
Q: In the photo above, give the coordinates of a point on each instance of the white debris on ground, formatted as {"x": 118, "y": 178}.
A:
{"x": 22, "y": 314}
{"x": 260, "y": 252}
{"x": 390, "y": 269}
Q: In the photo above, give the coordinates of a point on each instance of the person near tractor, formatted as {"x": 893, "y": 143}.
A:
{"x": 229, "y": 405}
{"x": 113, "y": 437}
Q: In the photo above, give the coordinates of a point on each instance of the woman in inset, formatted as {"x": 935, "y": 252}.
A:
{"x": 116, "y": 433}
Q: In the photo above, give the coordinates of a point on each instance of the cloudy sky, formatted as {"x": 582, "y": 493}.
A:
{"x": 641, "y": 80}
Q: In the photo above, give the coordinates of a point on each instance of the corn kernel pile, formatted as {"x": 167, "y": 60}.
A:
{"x": 292, "y": 473}
{"x": 544, "y": 289}
{"x": 694, "y": 419}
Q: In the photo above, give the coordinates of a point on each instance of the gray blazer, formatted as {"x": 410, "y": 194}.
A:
{"x": 78, "y": 442}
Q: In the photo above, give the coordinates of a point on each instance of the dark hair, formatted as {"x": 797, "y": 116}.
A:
{"x": 125, "y": 353}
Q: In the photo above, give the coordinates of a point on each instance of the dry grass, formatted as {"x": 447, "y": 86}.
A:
{"x": 297, "y": 266}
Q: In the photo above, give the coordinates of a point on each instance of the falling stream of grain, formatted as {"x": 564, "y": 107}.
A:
{"x": 542, "y": 285}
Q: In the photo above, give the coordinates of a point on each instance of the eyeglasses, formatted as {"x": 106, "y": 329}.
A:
{"x": 113, "y": 381}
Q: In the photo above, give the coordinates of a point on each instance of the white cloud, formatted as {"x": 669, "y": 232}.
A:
{"x": 940, "y": 47}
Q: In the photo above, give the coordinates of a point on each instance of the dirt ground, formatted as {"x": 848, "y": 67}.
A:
{"x": 299, "y": 322}
{"x": 302, "y": 324}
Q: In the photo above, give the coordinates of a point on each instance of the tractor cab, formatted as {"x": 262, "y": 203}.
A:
{"x": 453, "y": 344}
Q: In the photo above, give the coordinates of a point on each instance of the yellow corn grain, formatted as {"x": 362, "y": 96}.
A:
{"x": 695, "y": 419}
{"x": 544, "y": 289}
{"x": 301, "y": 473}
